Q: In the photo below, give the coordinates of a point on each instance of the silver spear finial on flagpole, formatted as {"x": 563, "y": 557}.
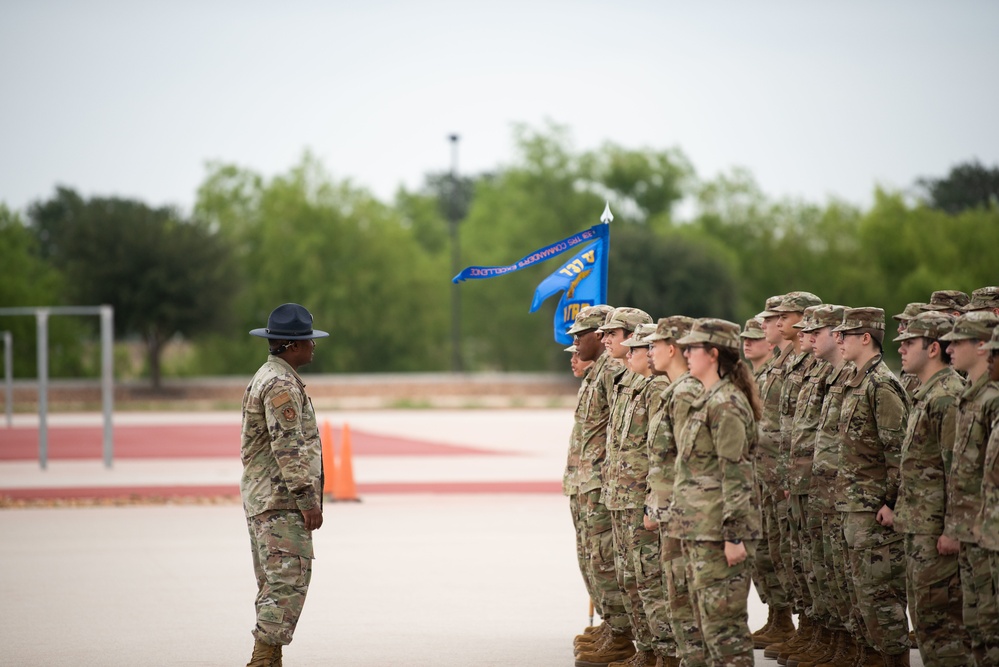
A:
{"x": 606, "y": 217}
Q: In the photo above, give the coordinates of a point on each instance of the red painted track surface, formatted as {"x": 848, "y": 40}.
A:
{"x": 178, "y": 441}
{"x": 181, "y": 491}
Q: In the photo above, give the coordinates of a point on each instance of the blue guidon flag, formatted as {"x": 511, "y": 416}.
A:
{"x": 582, "y": 279}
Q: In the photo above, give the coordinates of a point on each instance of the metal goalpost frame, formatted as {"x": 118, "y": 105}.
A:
{"x": 42, "y": 314}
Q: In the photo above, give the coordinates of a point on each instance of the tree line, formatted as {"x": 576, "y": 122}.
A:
{"x": 377, "y": 274}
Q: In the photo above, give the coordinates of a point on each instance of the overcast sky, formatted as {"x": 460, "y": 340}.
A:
{"x": 131, "y": 98}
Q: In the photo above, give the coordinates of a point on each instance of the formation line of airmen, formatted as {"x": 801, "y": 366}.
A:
{"x": 706, "y": 456}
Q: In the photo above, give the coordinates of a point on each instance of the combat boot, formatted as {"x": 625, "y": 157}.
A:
{"x": 868, "y": 657}
{"x": 614, "y": 649}
{"x": 766, "y": 626}
{"x": 822, "y": 643}
{"x": 265, "y": 655}
{"x": 896, "y": 660}
{"x": 798, "y": 640}
{"x": 780, "y": 629}
{"x": 668, "y": 661}
{"x": 640, "y": 659}
{"x": 594, "y": 637}
{"x": 801, "y": 647}
{"x": 835, "y": 648}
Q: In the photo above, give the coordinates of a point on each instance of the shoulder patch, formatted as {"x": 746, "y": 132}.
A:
{"x": 281, "y": 399}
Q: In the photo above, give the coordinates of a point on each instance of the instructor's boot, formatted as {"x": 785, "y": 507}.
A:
{"x": 614, "y": 649}
{"x": 265, "y": 655}
{"x": 780, "y": 629}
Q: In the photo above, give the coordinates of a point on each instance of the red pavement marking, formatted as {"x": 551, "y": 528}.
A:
{"x": 69, "y": 493}
{"x": 193, "y": 441}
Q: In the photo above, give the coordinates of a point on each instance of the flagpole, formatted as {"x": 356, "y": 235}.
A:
{"x": 606, "y": 217}
{"x": 454, "y": 215}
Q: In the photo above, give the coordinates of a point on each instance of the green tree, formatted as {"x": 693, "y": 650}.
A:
{"x": 355, "y": 263}
{"x": 164, "y": 275}
{"x": 968, "y": 185}
{"x": 29, "y": 280}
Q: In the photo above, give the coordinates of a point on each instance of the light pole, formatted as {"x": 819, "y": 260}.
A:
{"x": 454, "y": 215}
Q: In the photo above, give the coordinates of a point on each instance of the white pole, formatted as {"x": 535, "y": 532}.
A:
{"x": 8, "y": 371}
{"x": 42, "y": 315}
{"x": 107, "y": 379}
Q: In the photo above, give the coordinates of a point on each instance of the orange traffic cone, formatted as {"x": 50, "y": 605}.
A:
{"x": 345, "y": 488}
{"x": 329, "y": 464}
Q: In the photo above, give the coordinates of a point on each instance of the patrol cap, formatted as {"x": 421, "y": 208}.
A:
{"x": 826, "y": 315}
{"x": 720, "y": 333}
{"x": 993, "y": 343}
{"x": 983, "y": 298}
{"x": 753, "y": 330}
{"x": 589, "y": 318}
{"x": 869, "y": 320}
{"x": 571, "y": 348}
{"x": 672, "y": 328}
{"x": 976, "y": 325}
{"x": 947, "y": 299}
{"x": 911, "y": 310}
{"x": 772, "y": 302}
{"x": 640, "y": 337}
{"x": 626, "y": 318}
{"x": 931, "y": 324}
{"x": 796, "y": 302}
{"x": 289, "y": 321}
{"x": 806, "y": 318}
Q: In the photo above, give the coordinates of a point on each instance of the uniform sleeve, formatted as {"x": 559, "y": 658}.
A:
{"x": 731, "y": 438}
{"x": 283, "y": 409}
{"x": 944, "y": 424}
{"x": 891, "y": 414}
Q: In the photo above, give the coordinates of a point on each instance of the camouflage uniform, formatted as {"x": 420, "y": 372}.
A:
{"x": 714, "y": 500}
{"x": 978, "y": 409}
{"x": 624, "y": 488}
{"x": 947, "y": 300}
{"x": 664, "y": 425}
{"x": 933, "y": 582}
{"x": 792, "y": 538}
{"x": 987, "y": 524}
{"x": 872, "y": 427}
{"x": 774, "y": 510}
{"x": 583, "y": 431}
{"x": 282, "y": 476}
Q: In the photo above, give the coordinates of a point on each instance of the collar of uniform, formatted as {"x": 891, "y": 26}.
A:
{"x": 800, "y": 359}
{"x": 706, "y": 396}
{"x": 841, "y": 369}
{"x": 282, "y": 362}
{"x": 862, "y": 373}
{"x": 974, "y": 389}
{"x": 935, "y": 379}
{"x": 785, "y": 353}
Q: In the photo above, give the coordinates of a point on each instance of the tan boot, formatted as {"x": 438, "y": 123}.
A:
{"x": 640, "y": 659}
{"x": 799, "y": 639}
{"x": 868, "y": 657}
{"x": 781, "y": 629}
{"x": 836, "y": 640}
{"x": 594, "y": 637}
{"x": 668, "y": 661}
{"x": 821, "y": 646}
{"x": 766, "y": 626}
{"x": 264, "y": 655}
{"x": 802, "y": 647}
{"x": 615, "y": 649}
{"x": 896, "y": 660}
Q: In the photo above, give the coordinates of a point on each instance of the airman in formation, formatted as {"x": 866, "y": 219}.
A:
{"x": 705, "y": 456}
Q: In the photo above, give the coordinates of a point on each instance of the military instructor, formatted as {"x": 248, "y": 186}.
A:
{"x": 282, "y": 480}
